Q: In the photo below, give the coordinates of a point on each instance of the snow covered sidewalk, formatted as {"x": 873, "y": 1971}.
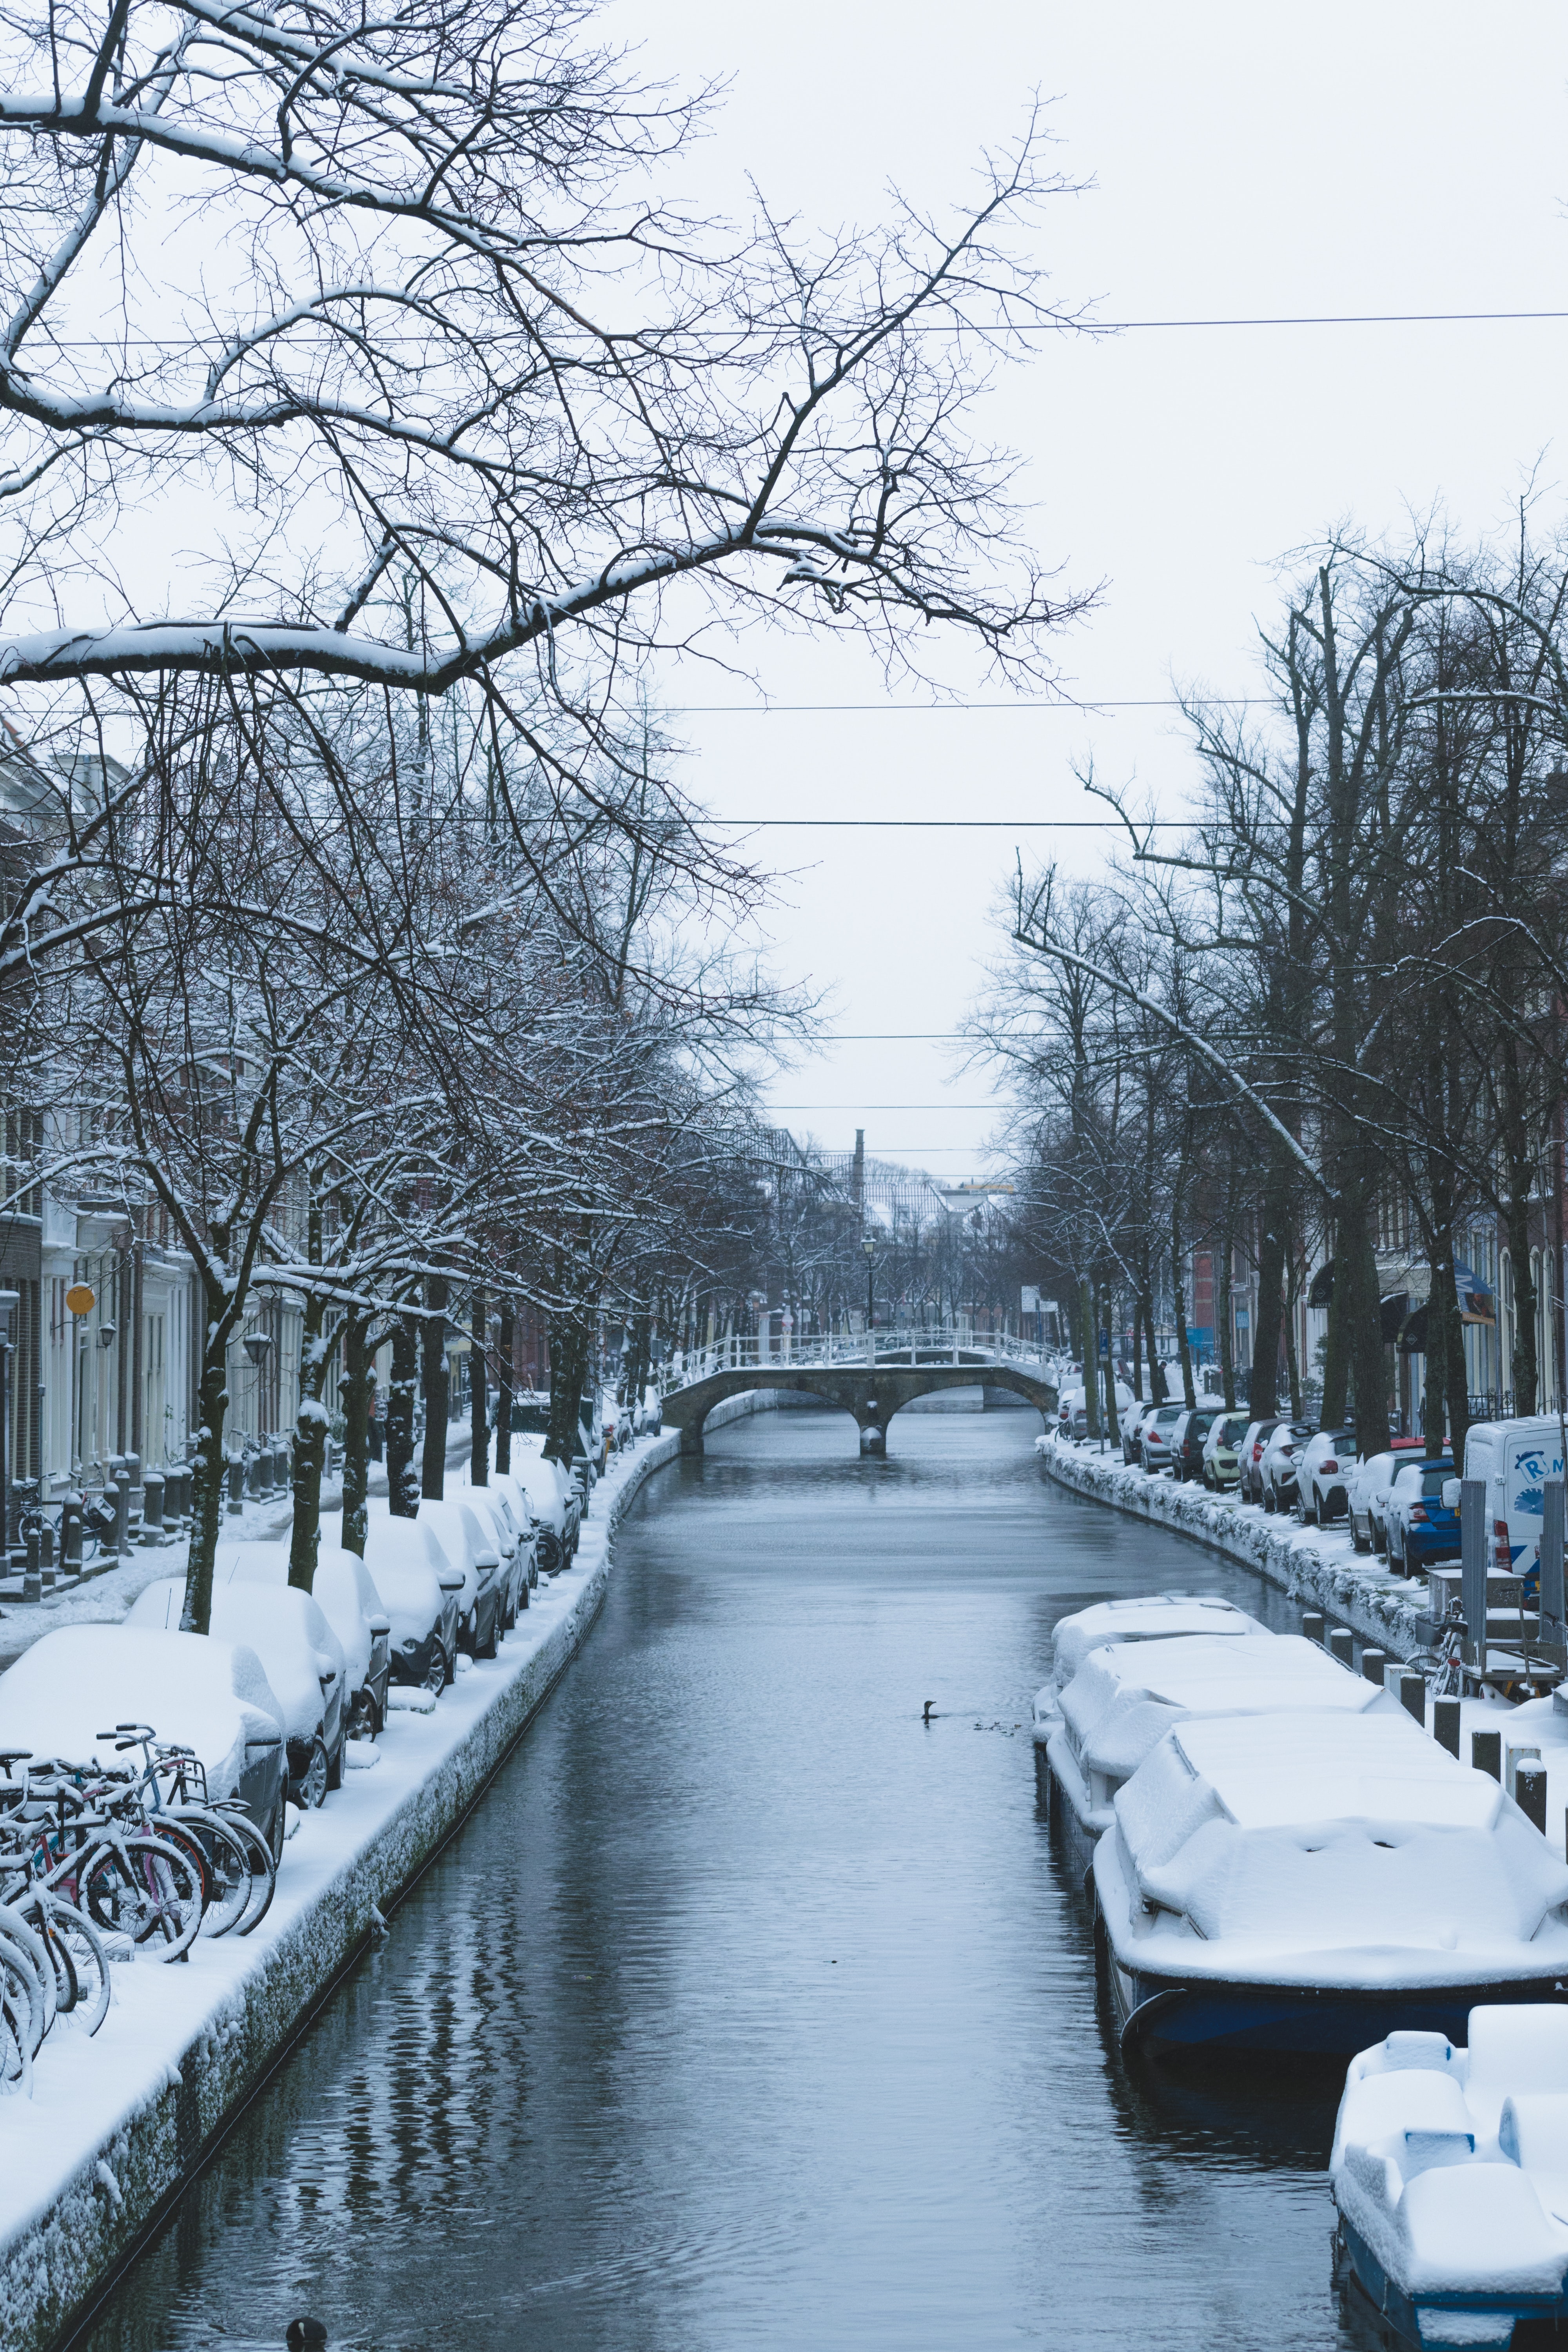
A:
{"x": 1319, "y": 1567}
{"x": 117, "y": 2122}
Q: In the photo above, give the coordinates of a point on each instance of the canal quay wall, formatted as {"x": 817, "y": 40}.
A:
{"x": 1316, "y": 1566}
{"x": 117, "y": 2125}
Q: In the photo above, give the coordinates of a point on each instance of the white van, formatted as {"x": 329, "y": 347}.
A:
{"x": 1516, "y": 1458}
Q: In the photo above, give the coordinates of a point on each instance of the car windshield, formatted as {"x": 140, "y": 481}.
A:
{"x": 1433, "y": 1482}
{"x": 1167, "y": 1415}
{"x": 1230, "y": 1429}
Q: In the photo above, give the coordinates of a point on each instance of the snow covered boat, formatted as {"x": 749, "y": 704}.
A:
{"x": 1150, "y": 1617}
{"x": 1125, "y": 1696}
{"x": 1313, "y": 1881}
{"x": 1450, "y": 2173}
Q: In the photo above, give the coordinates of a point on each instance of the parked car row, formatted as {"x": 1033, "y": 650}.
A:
{"x": 313, "y": 1669}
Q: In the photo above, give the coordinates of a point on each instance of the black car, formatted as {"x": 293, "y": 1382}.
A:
{"x": 1188, "y": 1440}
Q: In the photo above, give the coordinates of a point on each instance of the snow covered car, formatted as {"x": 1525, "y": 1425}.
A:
{"x": 556, "y": 1502}
{"x": 1324, "y": 1466}
{"x": 348, "y": 1600}
{"x": 1249, "y": 1457}
{"x": 1159, "y": 1427}
{"x": 515, "y": 1495}
{"x": 300, "y": 1656}
{"x": 471, "y": 1547}
{"x": 1279, "y": 1465}
{"x": 1187, "y": 1441}
{"x": 420, "y": 1590}
{"x": 496, "y": 1514}
{"x": 211, "y": 1695}
{"x": 1133, "y": 1433}
{"x": 1367, "y": 1493}
{"x": 1220, "y": 1469}
{"x": 1422, "y": 1527}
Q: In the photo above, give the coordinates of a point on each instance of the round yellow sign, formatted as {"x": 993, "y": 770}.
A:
{"x": 79, "y": 1298}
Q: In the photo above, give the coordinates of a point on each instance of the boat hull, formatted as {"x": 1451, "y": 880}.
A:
{"x": 1163, "y": 2014}
{"x": 1443, "y": 2323}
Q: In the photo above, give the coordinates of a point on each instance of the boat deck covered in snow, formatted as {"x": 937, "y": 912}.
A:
{"x": 1124, "y": 1698}
{"x": 1149, "y": 1617}
{"x": 1450, "y": 2173}
{"x": 1314, "y": 1881}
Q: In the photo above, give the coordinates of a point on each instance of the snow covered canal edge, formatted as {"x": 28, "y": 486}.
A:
{"x": 1318, "y": 1566}
{"x": 118, "y": 2124}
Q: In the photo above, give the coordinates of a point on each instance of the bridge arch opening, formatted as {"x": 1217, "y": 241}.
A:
{"x": 872, "y": 1394}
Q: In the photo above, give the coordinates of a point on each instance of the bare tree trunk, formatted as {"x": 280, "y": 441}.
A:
{"x": 568, "y": 1369}
{"x": 402, "y": 1482}
{"x": 206, "y": 1485}
{"x": 505, "y": 1342}
{"x": 1091, "y": 1357}
{"x": 437, "y": 1384}
{"x": 1272, "y": 1246}
{"x": 1179, "y": 1297}
{"x": 479, "y": 1397}
{"x": 1223, "y": 1313}
{"x": 359, "y": 1377}
{"x": 1138, "y": 1346}
{"x": 310, "y": 1454}
{"x": 1157, "y": 1389}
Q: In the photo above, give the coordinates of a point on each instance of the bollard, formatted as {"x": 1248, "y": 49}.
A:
{"x": 180, "y": 1502}
{"x": 1372, "y": 1663}
{"x": 152, "y": 1495}
{"x": 235, "y": 1485}
{"x": 283, "y": 1465}
{"x": 70, "y": 1534}
{"x": 1445, "y": 1725}
{"x": 120, "y": 1539}
{"x": 1411, "y": 1692}
{"x": 1514, "y": 1759}
{"x": 134, "y": 1471}
{"x": 1486, "y": 1752}
{"x": 32, "y": 1579}
{"x": 1313, "y": 1624}
{"x": 46, "y": 1554}
{"x": 1342, "y": 1644}
{"x": 264, "y": 1473}
{"x": 1530, "y": 1793}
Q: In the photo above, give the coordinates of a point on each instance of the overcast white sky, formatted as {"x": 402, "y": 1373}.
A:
{"x": 1247, "y": 161}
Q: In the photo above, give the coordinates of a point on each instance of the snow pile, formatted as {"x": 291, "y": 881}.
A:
{"x": 1156, "y": 1617}
{"x": 1123, "y": 1701}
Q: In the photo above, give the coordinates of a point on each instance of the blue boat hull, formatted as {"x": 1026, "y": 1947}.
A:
{"x": 1443, "y": 2323}
{"x": 1157, "y": 2013}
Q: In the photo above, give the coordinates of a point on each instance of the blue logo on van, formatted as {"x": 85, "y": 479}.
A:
{"x": 1531, "y": 1502}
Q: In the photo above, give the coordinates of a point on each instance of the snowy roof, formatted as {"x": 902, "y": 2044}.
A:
{"x": 1149, "y": 1617}
{"x": 1125, "y": 1698}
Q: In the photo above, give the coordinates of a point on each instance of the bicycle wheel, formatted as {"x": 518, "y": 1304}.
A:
{"x": 262, "y": 1868}
{"x": 226, "y": 1865}
{"x": 147, "y": 1888}
{"x": 15, "y": 2058}
{"x": 27, "y": 1972}
{"x": 74, "y": 1937}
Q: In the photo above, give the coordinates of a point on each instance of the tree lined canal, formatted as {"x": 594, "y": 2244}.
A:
{"x": 750, "y": 2010}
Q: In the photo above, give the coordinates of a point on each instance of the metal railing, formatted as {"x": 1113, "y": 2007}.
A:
{"x": 954, "y": 1344}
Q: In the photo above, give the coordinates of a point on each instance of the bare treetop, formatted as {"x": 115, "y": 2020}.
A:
{"x": 387, "y": 300}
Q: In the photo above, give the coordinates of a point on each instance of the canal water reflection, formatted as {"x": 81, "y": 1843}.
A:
{"x": 752, "y": 2011}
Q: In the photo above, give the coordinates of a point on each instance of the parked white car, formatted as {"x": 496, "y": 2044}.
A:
{"x": 300, "y": 1656}
{"x": 514, "y": 1495}
{"x": 1516, "y": 1458}
{"x": 557, "y": 1505}
{"x": 1324, "y": 1466}
{"x": 1279, "y": 1460}
{"x": 1159, "y": 1428}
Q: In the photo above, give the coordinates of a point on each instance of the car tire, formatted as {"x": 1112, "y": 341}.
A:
{"x": 493, "y": 1639}
{"x": 1268, "y": 1498}
{"x": 1308, "y": 1516}
{"x": 276, "y": 1827}
{"x": 316, "y": 1777}
{"x": 335, "y": 1763}
{"x": 436, "y": 1675}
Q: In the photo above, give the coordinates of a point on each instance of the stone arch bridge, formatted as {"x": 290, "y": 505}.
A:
{"x": 873, "y": 1388}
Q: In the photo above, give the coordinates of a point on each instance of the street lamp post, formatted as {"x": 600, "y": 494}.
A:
{"x": 869, "y": 1246}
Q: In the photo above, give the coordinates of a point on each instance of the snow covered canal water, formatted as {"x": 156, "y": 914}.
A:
{"x": 751, "y": 2010}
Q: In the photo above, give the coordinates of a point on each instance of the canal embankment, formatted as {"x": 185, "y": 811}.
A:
{"x": 118, "y": 2124}
{"x": 1317, "y": 1566}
